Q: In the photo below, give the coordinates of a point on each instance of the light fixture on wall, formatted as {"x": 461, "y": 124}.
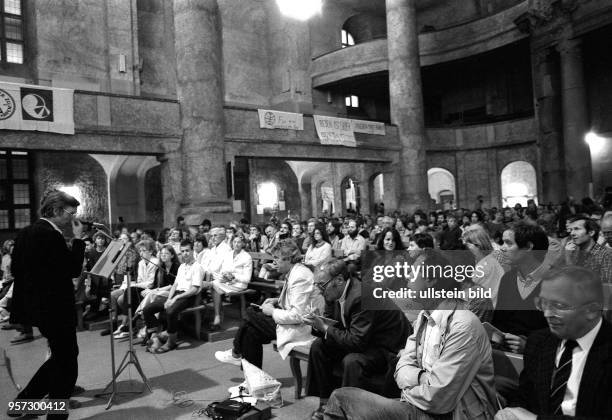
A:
{"x": 268, "y": 194}
{"x": 596, "y": 142}
{"x": 299, "y": 9}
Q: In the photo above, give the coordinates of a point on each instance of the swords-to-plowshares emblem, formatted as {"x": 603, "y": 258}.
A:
{"x": 7, "y": 105}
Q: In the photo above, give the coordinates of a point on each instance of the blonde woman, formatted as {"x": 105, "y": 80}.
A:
{"x": 489, "y": 273}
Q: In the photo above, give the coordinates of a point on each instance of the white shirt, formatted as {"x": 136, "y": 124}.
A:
{"x": 579, "y": 357}
{"x": 431, "y": 338}
{"x": 241, "y": 266}
{"x": 356, "y": 246}
{"x": 213, "y": 260}
{"x": 189, "y": 275}
{"x": 53, "y": 225}
{"x": 317, "y": 255}
{"x": 526, "y": 285}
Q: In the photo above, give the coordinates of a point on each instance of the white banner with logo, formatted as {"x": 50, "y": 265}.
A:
{"x": 368, "y": 127}
{"x": 280, "y": 120}
{"x": 36, "y": 108}
{"x": 335, "y": 131}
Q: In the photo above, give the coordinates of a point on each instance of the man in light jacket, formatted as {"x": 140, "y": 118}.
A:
{"x": 280, "y": 318}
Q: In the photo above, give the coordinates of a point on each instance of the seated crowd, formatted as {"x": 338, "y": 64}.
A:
{"x": 544, "y": 269}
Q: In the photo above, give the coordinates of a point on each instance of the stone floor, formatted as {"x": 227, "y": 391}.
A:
{"x": 192, "y": 368}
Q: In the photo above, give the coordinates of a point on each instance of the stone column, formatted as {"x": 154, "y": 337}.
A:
{"x": 407, "y": 102}
{"x": 172, "y": 189}
{"x": 575, "y": 119}
{"x": 305, "y": 200}
{"x": 547, "y": 95}
{"x": 199, "y": 71}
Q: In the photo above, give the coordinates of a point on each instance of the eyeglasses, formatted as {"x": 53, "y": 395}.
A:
{"x": 556, "y": 307}
{"x": 72, "y": 213}
{"x": 322, "y": 286}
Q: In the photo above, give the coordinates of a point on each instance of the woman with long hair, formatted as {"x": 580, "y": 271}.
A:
{"x": 164, "y": 278}
{"x": 320, "y": 249}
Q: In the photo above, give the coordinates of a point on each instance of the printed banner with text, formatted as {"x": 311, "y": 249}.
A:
{"x": 280, "y": 120}
{"x": 368, "y": 127}
{"x": 36, "y": 108}
{"x": 335, "y": 131}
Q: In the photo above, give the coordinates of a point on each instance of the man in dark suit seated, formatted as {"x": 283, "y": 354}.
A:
{"x": 568, "y": 367}
{"x": 43, "y": 295}
{"x": 362, "y": 341}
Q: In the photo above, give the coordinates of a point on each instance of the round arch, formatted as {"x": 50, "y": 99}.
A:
{"x": 518, "y": 183}
{"x": 349, "y": 188}
{"x": 325, "y": 197}
{"x": 377, "y": 190}
{"x": 441, "y": 186}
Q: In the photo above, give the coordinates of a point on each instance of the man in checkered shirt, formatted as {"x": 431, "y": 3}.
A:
{"x": 583, "y": 249}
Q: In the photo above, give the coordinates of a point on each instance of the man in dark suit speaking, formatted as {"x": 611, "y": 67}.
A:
{"x": 568, "y": 367}
{"x": 43, "y": 266}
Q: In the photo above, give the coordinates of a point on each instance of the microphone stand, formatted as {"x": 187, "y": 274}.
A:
{"x": 112, "y": 257}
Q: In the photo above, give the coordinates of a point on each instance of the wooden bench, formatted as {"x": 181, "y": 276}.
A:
{"x": 196, "y": 310}
{"x": 199, "y": 307}
{"x": 242, "y": 295}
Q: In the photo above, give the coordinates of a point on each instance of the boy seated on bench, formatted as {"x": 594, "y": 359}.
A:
{"x": 279, "y": 319}
{"x": 362, "y": 341}
{"x": 234, "y": 276}
{"x": 182, "y": 295}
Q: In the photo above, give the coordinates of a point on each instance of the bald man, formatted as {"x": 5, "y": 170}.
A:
{"x": 567, "y": 367}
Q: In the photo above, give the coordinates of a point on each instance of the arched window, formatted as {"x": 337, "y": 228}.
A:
{"x": 327, "y": 198}
{"x": 347, "y": 39}
{"x": 350, "y": 195}
{"x": 518, "y": 183}
{"x": 441, "y": 185}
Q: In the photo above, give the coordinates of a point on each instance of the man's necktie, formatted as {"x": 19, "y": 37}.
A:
{"x": 560, "y": 377}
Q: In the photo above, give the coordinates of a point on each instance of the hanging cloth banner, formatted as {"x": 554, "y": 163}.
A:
{"x": 280, "y": 120}
{"x": 368, "y": 127}
{"x": 36, "y": 108}
{"x": 335, "y": 131}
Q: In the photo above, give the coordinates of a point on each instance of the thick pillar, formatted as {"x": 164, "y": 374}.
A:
{"x": 199, "y": 70}
{"x": 305, "y": 201}
{"x": 575, "y": 119}
{"x": 289, "y": 57}
{"x": 172, "y": 188}
{"x": 547, "y": 93}
{"x": 407, "y": 102}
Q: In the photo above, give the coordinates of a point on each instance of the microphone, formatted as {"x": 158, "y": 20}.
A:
{"x": 92, "y": 224}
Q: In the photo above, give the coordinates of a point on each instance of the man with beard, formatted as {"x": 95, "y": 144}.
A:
{"x": 43, "y": 266}
{"x": 583, "y": 249}
{"x": 353, "y": 244}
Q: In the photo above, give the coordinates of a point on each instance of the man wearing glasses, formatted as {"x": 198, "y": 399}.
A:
{"x": 361, "y": 341}
{"x": 567, "y": 367}
{"x": 43, "y": 266}
{"x": 278, "y": 318}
